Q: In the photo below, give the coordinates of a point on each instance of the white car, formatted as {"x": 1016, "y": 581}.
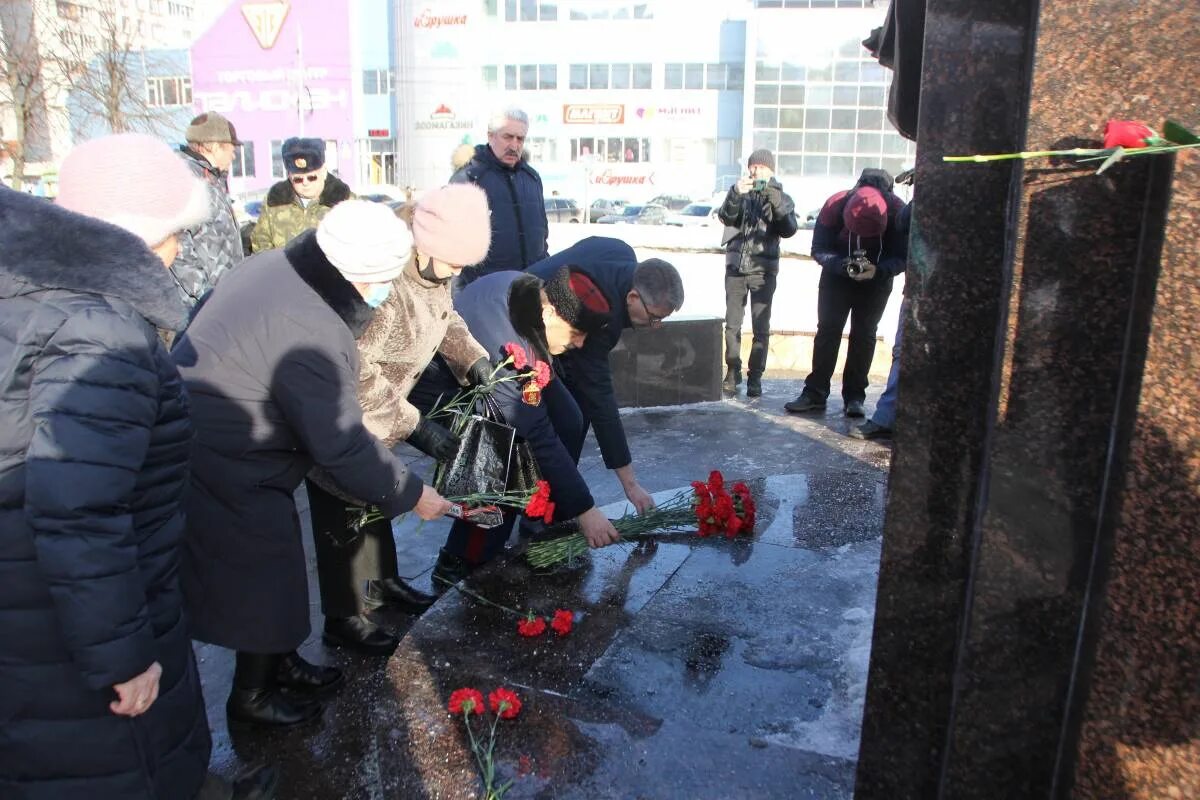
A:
{"x": 695, "y": 215}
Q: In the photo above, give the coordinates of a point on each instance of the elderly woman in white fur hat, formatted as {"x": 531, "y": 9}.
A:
{"x": 451, "y": 229}
{"x": 271, "y": 364}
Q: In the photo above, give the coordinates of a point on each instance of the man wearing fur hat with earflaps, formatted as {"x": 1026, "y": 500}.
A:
{"x": 861, "y": 246}
{"x": 546, "y": 318}
{"x": 451, "y": 229}
{"x": 300, "y": 202}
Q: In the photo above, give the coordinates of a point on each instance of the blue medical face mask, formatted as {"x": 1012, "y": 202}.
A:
{"x": 377, "y": 294}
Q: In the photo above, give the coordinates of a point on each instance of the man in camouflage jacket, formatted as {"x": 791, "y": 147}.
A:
{"x": 214, "y": 246}
{"x": 300, "y": 202}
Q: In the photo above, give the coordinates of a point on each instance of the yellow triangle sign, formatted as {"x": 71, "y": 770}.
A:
{"x": 266, "y": 20}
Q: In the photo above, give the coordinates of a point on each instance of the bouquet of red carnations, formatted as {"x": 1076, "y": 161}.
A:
{"x": 708, "y": 508}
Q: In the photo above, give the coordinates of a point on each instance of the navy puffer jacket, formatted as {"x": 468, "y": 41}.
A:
{"x": 520, "y": 233}
{"x": 94, "y": 440}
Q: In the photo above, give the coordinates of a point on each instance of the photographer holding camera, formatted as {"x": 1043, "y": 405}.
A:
{"x": 861, "y": 246}
{"x": 757, "y": 214}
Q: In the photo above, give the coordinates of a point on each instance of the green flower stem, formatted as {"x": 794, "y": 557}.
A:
{"x": 474, "y": 744}
{"x": 479, "y": 597}
{"x": 1091, "y": 154}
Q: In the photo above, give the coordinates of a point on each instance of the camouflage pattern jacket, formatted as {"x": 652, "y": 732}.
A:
{"x": 213, "y": 247}
{"x": 283, "y": 218}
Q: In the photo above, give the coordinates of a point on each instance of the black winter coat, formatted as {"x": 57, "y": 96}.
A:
{"x": 94, "y": 438}
{"x": 831, "y": 244}
{"x": 271, "y": 365}
{"x": 610, "y": 263}
{"x": 484, "y": 306}
{"x": 754, "y": 224}
{"x": 520, "y": 233}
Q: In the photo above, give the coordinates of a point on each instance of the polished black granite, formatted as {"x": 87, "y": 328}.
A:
{"x": 1033, "y": 305}
{"x": 679, "y": 362}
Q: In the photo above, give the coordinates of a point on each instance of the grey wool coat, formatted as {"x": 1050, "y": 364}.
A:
{"x": 271, "y": 364}
{"x": 94, "y": 440}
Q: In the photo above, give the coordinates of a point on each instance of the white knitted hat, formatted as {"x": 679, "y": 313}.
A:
{"x": 135, "y": 182}
{"x": 365, "y": 241}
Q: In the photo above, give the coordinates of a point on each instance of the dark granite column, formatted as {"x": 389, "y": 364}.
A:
{"x": 1014, "y": 581}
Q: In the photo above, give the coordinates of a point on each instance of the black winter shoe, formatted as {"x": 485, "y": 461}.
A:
{"x": 257, "y": 784}
{"x": 869, "y": 430}
{"x": 359, "y": 634}
{"x": 449, "y": 570}
{"x": 753, "y": 385}
{"x": 396, "y": 593}
{"x": 854, "y": 408}
{"x": 733, "y": 377}
{"x": 299, "y": 675}
{"x": 268, "y": 708}
{"x": 805, "y": 402}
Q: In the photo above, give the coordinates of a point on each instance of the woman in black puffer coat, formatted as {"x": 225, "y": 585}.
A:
{"x": 99, "y": 694}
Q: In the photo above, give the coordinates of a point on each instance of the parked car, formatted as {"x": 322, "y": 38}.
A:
{"x": 637, "y": 215}
{"x": 672, "y": 202}
{"x": 602, "y": 208}
{"x": 561, "y": 209}
{"x": 695, "y": 215}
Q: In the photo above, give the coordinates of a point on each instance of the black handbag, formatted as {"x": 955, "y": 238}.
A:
{"x": 491, "y": 457}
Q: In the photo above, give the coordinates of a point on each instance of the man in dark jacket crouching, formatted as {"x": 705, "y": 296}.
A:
{"x": 271, "y": 366}
{"x": 757, "y": 214}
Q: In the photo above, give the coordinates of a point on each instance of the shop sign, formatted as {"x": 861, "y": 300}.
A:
{"x": 378, "y": 133}
{"x": 610, "y": 177}
{"x": 265, "y": 21}
{"x": 608, "y": 114}
{"x": 314, "y": 99}
{"x": 429, "y": 20}
{"x": 669, "y": 112}
{"x": 444, "y": 118}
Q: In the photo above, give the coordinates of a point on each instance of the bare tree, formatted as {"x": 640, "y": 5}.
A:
{"x": 28, "y": 81}
{"x": 106, "y": 61}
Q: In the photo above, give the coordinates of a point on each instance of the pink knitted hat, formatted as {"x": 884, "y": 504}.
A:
{"x": 453, "y": 224}
{"x": 135, "y": 182}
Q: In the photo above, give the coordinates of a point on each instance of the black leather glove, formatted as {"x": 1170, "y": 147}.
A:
{"x": 479, "y": 373}
{"x": 434, "y": 440}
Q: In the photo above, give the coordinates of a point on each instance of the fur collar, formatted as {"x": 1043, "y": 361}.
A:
{"x": 310, "y": 264}
{"x": 47, "y": 247}
{"x": 335, "y": 191}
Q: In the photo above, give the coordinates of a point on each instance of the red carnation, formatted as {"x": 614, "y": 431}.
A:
{"x": 562, "y": 622}
{"x": 702, "y": 493}
{"x": 464, "y": 701}
{"x": 517, "y": 353}
{"x": 536, "y": 506}
{"x": 1127, "y": 133}
{"x": 716, "y": 481}
{"x": 541, "y": 373}
{"x": 504, "y": 703}
{"x": 548, "y": 514}
{"x": 531, "y": 626}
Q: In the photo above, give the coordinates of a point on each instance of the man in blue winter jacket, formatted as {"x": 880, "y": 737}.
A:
{"x": 515, "y": 196}
{"x": 643, "y": 295}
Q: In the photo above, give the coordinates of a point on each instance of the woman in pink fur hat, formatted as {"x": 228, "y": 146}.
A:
{"x": 451, "y": 229}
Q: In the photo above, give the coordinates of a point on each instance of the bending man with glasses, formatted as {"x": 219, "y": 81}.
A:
{"x": 298, "y": 204}
{"x": 650, "y": 291}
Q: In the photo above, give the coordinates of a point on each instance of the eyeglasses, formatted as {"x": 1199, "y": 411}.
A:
{"x": 654, "y": 320}
{"x": 299, "y": 179}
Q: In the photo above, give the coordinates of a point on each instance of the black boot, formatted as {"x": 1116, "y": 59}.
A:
{"x": 301, "y": 676}
{"x": 255, "y": 698}
{"x": 733, "y": 377}
{"x": 397, "y": 594}
{"x": 754, "y": 384}
{"x": 257, "y": 784}
{"x": 360, "y": 634}
{"x": 449, "y": 570}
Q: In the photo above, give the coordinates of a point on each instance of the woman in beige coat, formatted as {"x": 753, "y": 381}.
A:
{"x": 451, "y": 229}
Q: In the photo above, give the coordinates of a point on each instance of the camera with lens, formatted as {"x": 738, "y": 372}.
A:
{"x": 858, "y": 264}
{"x": 760, "y": 185}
